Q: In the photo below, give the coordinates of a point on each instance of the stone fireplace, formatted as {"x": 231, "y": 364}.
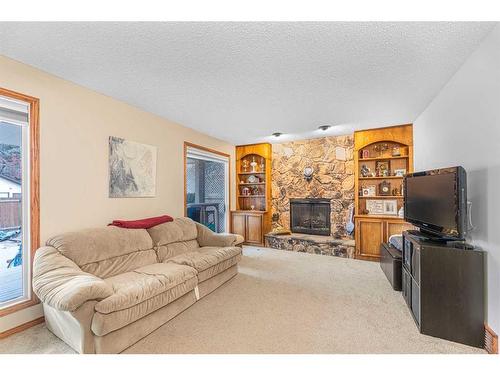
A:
{"x": 318, "y": 222}
{"x": 332, "y": 160}
{"x": 310, "y": 216}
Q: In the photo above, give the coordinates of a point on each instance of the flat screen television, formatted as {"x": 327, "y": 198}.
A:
{"x": 436, "y": 202}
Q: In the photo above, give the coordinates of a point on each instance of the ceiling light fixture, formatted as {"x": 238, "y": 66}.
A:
{"x": 324, "y": 127}
{"x": 277, "y": 134}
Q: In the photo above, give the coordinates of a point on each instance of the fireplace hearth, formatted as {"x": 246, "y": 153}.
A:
{"x": 310, "y": 216}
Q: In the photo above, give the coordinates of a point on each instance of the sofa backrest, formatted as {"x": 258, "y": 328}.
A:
{"x": 108, "y": 251}
{"x": 174, "y": 238}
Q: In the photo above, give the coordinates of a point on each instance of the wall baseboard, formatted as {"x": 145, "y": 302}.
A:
{"x": 490, "y": 340}
{"x": 22, "y": 327}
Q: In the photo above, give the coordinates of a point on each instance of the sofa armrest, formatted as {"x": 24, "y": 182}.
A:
{"x": 61, "y": 284}
{"x": 206, "y": 237}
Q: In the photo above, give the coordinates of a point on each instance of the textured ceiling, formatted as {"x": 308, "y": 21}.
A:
{"x": 243, "y": 81}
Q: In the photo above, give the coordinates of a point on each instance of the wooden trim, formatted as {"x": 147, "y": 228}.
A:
{"x": 203, "y": 148}
{"x": 34, "y": 123}
{"x": 382, "y": 127}
{"x": 254, "y": 144}
{"x": 22, "y": 327}
{"x": 490, "y": 340}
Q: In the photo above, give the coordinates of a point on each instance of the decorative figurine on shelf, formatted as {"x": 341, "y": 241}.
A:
{"x": 396, "y": 151}
{"x": 381, "y": 148}
{"x": 384, "y": 188}
{"x": 252, "y": 179}
{"x": 245, "y": 191}
{"x": 244, "y": 165}
{"x": 365, "y": 171}
{"x": 382, "y": 168}
{"x": 401, "y": 212}
{"x": 262, "y": 165}
{"x": 255, "y": 191}
{"x": 253, "y": 165}
{"x": 252, "y": 207}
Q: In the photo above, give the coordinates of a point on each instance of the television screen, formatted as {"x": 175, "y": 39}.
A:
{"x": 435, "y": 201}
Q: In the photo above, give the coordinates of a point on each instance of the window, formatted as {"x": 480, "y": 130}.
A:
{"x": 207, "y": 187}
{"x": 19, "y": 212}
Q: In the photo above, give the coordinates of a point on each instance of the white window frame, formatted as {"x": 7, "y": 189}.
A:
{"x": 26, "y": 197}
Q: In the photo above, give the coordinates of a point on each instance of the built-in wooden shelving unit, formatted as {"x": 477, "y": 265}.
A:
{"x": 252, "y": 217}
{"x": 381, "y": 157}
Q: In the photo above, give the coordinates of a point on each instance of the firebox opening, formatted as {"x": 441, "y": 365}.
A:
{"x": 310, "y": 216}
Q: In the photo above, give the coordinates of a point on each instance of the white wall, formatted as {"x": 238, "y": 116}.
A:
{"x": 75, "y": 124}
{"x": 461, "y": 126}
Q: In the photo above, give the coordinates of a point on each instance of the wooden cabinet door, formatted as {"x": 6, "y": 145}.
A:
{"x": 396, "y": 227}
{"x": 238, "y": 224}
{"x": 369, "y": 237}
{"x": 254, "y": 229}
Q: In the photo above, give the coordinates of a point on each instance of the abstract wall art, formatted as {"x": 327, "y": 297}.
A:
{"x": 132, "y": 169}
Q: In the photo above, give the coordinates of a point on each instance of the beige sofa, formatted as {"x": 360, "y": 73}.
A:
{"x": 104, "y": 289}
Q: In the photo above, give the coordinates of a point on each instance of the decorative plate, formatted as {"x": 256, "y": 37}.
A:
{"x": 252, "y": 179}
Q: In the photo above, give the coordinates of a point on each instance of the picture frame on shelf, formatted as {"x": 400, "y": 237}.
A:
{"x": 365, "y": 154}
{"x": 375, "y": 206}
{"x": 382, "y": 168}
{"x": 369, "y": 191}
{"x": 400, "y": 172}
{"x": 390, "y": 207}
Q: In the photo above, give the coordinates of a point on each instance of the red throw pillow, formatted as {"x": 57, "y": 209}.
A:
{"x": 142, "y": 223}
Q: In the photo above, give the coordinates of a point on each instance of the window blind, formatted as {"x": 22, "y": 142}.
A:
{"x": 196, "y": 153}
{"x": 13, "y": 111}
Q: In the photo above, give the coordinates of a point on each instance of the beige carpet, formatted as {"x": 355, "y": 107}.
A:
{"x": 282, "y": 302}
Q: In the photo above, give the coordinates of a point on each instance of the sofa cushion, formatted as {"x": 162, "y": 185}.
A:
{"x": 108, "y": 251}
{"x": 218, "y": 268}
{"x": 177, "y": 248}
{"x": 180, "y": 230}
{"x": 132, "y": 288}
{"x": 121, "y": 264}
{"x": 208, "y": 261}
{"x": 102, "y": 324}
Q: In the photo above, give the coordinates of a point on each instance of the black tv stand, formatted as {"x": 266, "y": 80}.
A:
{"x": 425, "y": 236}
{"x": 443, "y": 286}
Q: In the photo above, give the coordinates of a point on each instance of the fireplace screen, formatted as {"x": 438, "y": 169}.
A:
{"x": 310, "y": 216}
